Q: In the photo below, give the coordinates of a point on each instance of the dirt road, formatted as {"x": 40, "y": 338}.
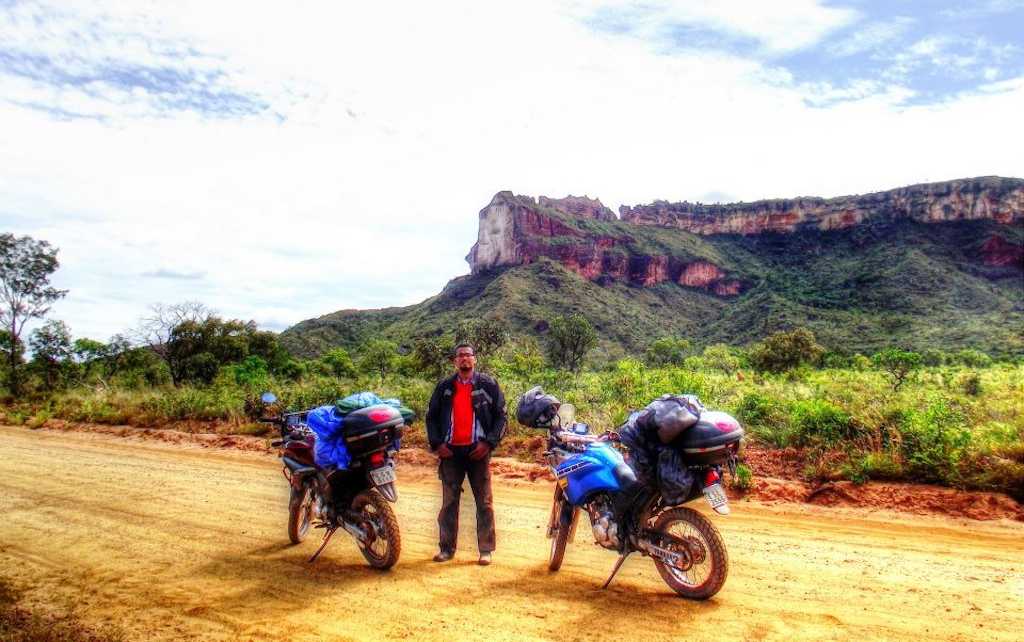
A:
{"x": 171, "y": 542}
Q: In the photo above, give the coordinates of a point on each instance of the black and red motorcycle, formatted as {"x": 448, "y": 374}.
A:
{"x": 354, "y": 499}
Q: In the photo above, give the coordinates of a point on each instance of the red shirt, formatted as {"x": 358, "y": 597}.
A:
{"x": 462, "y": 414}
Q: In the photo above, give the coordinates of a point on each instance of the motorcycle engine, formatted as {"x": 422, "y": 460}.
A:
{"x": 602, "y": 521}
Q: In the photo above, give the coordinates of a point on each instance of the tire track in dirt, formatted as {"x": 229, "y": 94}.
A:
{"x": 171, "y": 542}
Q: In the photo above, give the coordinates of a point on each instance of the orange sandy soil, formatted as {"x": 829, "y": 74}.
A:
{"x": 179, "y": 541}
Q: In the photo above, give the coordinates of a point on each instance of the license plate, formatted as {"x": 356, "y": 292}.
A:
{"x": 383, "y": 475}
{"x": 715, "y": 495}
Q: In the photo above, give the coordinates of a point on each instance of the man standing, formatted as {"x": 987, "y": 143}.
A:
{"x": 465, "y": 421}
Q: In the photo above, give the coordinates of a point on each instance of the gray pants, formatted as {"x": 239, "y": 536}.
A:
{"x": 452, "y": 472}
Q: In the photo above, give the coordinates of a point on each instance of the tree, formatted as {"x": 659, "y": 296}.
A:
{"x": 25, "y": 292}
{"x": 486, "y": 335}
{"x": 8, "y": 347}
{"x": 155, "y": 330}
{"x": 569, "y": 340}
{"x": 51, "y": 351}
{"x": 378, "y": 355}
{"x": 196, "y": 350}
{"x": 786, "y": 350}
{"x": 667, "y": 351}
{"x": 338, "y": 363}
{"x": 432, "y": 355}
{"x": 897, "y": 364}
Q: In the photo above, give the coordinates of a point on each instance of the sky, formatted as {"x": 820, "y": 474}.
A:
{"x": 280, "y": 161}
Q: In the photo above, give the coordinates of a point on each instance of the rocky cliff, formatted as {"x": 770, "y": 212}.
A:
{"x": 518, "y": 230}
{"x": 990, "y": 197}
{"x": 586, "y": 237}
{"x": 938, "y": 265}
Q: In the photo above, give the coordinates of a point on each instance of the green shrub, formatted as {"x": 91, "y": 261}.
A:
{"x": 873, "y": 465}
{"x": 786, "y": 350}
{"x": 721, "y": 357}
{"x": 972, "y": 358}
{"x": 39, "y": 420}
{"x": 667, "y": 351}
{"x": 766, "y": 418}
{"x": 744, "y": 478}
{"x": 817, "y": 422}
{"x": 933, "y": 441}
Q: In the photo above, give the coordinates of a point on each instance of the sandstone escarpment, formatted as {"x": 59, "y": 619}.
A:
{"x": 993, "y": 198}
{"x": 585, "y": 236}
{"x": 517, "y": 230}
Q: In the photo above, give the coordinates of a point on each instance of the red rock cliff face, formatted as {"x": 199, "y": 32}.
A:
{"x": 516, "y": 230}
{"x": 998, "y": 199}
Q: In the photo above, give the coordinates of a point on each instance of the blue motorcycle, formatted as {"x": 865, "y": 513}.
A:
{"x": 627, "y": 515}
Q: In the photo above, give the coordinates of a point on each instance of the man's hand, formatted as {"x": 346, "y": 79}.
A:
{"x": 443, "y": 451}
{"x": 480, "y": 450}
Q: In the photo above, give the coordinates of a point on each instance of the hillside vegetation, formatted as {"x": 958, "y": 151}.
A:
{"x": 859, "y": 290}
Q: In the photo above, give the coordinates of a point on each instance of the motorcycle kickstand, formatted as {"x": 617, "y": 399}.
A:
{"x": 618, "y": 565}
{"x": 327, "y": 537}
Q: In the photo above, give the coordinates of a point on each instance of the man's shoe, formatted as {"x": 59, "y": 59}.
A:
{"x": 485, "y": 559}
{"x": 443, "y": 556}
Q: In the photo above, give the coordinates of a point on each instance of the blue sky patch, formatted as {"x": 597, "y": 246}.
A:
{"x": 73, "y": 68}
{"x": 924, "y": 52}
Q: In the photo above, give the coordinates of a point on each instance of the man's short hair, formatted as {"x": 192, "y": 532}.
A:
{"x": 455, "y": 350}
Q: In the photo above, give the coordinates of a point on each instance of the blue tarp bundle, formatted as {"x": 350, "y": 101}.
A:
{"x": 326, "y": 423}
{"x": 329, "y": 449}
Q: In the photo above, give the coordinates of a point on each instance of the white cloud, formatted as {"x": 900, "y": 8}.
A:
{"x": 871, "y": 37}
{"x": 294, "y": 218}
{"x": 779, "y": 27}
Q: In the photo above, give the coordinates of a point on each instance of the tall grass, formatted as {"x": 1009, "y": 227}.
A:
{"x": 956, "y": 426}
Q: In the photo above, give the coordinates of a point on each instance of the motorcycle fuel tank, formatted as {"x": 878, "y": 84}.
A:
{"x": 589, "y": 472}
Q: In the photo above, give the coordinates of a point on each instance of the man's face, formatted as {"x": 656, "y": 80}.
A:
{"x": 465, "y": 360}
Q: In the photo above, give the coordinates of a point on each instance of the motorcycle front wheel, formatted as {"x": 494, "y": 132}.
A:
{"x": 300, "y": 513}
{"x": 563, "y": 518}
{"x": 697, "y": 538}
{"x": 383, "y": 544}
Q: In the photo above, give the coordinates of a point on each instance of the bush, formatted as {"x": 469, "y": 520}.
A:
{"x": 786, "y": 350}
{"x": 873, "y": 465}
{"x": 933, "y": 442}
{"x": 820, "y": 423}
{"x": 721, "y": 357}
{"x": 972, "y": 358}
{"x": 766, "y": 418}
{"x": 666, "y": 352}
{"x": 744, "y": 478}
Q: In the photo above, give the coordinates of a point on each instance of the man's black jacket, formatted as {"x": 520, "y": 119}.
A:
{"x": 489, "y": 417}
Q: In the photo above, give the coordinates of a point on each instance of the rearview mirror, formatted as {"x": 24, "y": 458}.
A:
{"x": 566, "y": 414}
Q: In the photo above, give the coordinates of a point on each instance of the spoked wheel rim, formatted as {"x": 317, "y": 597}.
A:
{"x": 694, "y": 547}
{"x": 377, "y": 544}
{"x": 306, "y": 515}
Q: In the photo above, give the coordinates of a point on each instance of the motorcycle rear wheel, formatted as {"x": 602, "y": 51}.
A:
{"x": 706, "y": 576}
{"x": 384, "y": 543}
{"x": 300, "y": 514}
